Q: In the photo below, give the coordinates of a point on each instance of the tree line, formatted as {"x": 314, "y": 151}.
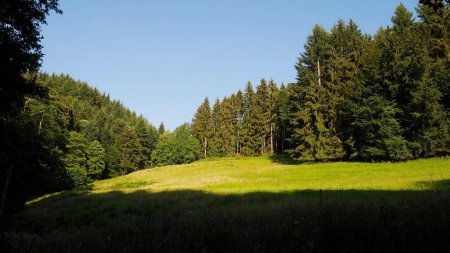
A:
{"x": 93, "y": 136}
{"x": 357, "y": 97}
{"x": 80, "y": 135}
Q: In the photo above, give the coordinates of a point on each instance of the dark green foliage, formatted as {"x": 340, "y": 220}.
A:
{"x": 282, "y": 112}
{"x": 228, "y": 127}
{"x": 434, "y": 4}
{"x": 161, "y": 128}
{"x": 95, "y": 155}
{"x": 148, "y": 136}
{"x": 202, "y": 126}
{"x": 357, "y": 97}
{"x": 75, "y": 160}
{"x": 20, "y": 50}
{"x": 163, "y": 153}
{"x": 262, "y": 116}
{"x": 377, "y": 132}
{"x": 217, "y": 145}
{"x": 176, "y": 148}
{"x": 127, "y": 139}
{"x": 248, "y": 134}
{"x": 131, "y": 150}
{"x": 315, "y": 135}
{"x": 271, "y": 103}
{"x": 27, "y": 165}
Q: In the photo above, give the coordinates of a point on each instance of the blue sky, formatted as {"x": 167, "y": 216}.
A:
{"x": 162, "y": 57}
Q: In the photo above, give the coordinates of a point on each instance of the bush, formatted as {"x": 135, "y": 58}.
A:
{"x": 176, "y": 148}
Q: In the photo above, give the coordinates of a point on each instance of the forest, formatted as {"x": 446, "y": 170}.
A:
{"x": 357, "y": 97}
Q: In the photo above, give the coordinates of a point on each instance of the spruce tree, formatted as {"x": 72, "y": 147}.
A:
{"x": 249, "y": 139}
{"x": 202, "y": 126}
{"x": 239, "y": 111}
{"x": 376, "y": 130}
{"x": 435, "y": 31}
{"x": 314, "y": 135}
{"x": 272, "y": 104}
{"x": 409, "y": 71}
{"x": 217, "y": 143}
{"x": 147, "y": 139}
{"x": 229, "y": 125}
{"x": 282, "y": 107}
{"x": 261, "y": 116}
{"x": 348, "y": 45}
{"x": 161, "y": 128}
{"x": 95, "y": 155}
{"x": 130, "y": 150}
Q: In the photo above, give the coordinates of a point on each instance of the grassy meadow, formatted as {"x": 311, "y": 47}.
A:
{"x": 264, "y": 204}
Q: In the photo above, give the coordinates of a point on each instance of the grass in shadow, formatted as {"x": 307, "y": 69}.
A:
{"x": 197, "y": 221}
{"x": 436, "y": 185}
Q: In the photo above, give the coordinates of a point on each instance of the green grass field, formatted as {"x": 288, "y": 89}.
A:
{"x": 264, "y": 204}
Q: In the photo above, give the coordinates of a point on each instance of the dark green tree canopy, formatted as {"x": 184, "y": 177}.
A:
{"x": 382, "y": 97}
{"x": 20, "y": 50}
{"x": 20, "y": 53}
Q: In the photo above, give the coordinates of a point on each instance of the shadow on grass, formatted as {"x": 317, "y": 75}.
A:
{"x": 436, "y": 185}
{"x": 285, "y": 160}
{"x": 197, "y": 221}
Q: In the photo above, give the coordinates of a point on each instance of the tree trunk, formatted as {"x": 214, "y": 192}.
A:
{"x": 40, "y": 125}
{"x": 5, "y": 189}
{"x": 271, "y": 139}
{"x": 263, "y": 145}
{"x": 283, "y": 134}
{"x": 206, "y": 143}
{"x": 318, "y": 71}
{"x": 237, "y": 143}
{"x": 25, "y": 105}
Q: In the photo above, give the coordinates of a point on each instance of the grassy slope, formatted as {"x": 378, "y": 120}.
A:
{"x": 244, "y": 175}
{"x": 248, "y": 204}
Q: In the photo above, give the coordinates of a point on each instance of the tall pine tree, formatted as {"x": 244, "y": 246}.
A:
{"x": 202, "y": 128}
{"x": 314, "y": 134}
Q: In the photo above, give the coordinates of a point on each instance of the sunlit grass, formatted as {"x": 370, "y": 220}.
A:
{"x": 262, "y": 174}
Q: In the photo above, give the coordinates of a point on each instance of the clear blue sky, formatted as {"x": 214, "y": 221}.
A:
{"x": 162, "y": 57}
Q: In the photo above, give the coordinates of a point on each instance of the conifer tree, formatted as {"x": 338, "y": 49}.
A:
{"x": 147, "y": 139}
{"x": 229, "y": 125}
{"x": 95, "y": 155}
{"x": 435, "y": 31}
{"x": 250, "y": 143}
{"x": 314, "y": 134}
{"x": 261, "y": 116}
{"x": 130, "y": 150}
{"x": 217, "y": 137}
{"x": 377, "y": 132}
{"x": 239, "y": 111}
{"x": 356, "y": 97}
{"x": 408, "y": 69}
{"x": 348, "y": 44}
{"x": 273, "y": 115}
{"x": 202, "y": 127}
{"x": 283, "y": 112}
{"x": 161, "y": 128}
